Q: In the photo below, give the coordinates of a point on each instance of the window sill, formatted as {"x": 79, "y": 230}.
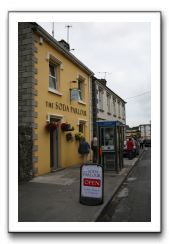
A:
{"x": 81, "y": 102}
{"x": 54, "y": 91}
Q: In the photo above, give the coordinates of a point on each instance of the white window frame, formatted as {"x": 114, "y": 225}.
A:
{"x": 56, "y": 116}
{"x": 108, "y": 103}
{"x": 58, "y": 66}
{"x": 114, "y": 107}
{"x": 80, "y": 89}
{"x": 55, "y": 78}
{"x": 81, "y": 79}
{"x": 119, "y": 109}
{"x": 123, "y": 111}
{"x": 84, "y": 122}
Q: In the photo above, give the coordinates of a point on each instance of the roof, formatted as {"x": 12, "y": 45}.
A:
{"x": 53, "y": 42}
{"x": 106, "y": 87}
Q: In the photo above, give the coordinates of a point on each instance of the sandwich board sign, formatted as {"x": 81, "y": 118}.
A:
{"x": 91, "y": 184}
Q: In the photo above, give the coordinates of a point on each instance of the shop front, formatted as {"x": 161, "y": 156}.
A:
{"x": 64, "y": 127}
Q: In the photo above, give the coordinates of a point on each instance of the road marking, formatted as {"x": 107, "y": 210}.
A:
{"x": 131, "y": 179}
{"x": 123, "y": 193}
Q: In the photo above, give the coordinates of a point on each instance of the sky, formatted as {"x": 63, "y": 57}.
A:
{"x": 123, "y": 51}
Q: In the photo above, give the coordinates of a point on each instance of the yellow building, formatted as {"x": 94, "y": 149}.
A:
{"x": 60, "y": 94}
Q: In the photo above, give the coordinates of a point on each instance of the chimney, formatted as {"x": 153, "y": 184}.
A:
{"x": 64, "y": 44}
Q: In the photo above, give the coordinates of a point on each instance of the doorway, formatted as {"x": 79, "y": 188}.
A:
{"x": 54, "y": 146}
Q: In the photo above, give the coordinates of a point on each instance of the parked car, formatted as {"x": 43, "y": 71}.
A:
{"x": 147, "y": 143}
{"x": 136, "y": 148}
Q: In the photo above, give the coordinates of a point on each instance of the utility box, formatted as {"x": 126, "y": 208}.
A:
{"x": 111, "y": 142}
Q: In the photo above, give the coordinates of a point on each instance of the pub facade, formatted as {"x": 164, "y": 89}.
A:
{"x": 54, "y": 103}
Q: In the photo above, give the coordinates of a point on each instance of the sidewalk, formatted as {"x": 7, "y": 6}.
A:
{"x": 54, "y": 197}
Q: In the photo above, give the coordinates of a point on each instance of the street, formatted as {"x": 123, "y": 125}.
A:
{"x": 132, "y": 203}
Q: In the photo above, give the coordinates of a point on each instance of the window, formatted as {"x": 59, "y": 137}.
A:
{"x": 108, "y": 103}
{"x": 119, "y": 109}
{"x": 100, "y": 99}
{"x": 53, "y": 76}
{"x": 81, "y": 89}
{"x": 123, "y": 111}
{"x": 114, "y": 106}
{"x": 82, "y": 127}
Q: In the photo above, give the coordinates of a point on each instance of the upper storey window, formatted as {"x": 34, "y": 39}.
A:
{"x": 53, "y": 76}
{"x": 81, "y": 88}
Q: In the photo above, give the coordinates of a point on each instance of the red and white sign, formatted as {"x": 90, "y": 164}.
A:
{"x": 91, "y": 181}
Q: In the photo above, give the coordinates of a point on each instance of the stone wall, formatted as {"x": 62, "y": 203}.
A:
{"x": 26, "y": 98}
{"x": 25, "y": 146}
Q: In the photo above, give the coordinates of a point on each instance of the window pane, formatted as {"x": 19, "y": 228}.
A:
{"x": 81, "y": 129}
{"x": 52, "y": 83}
{"x": 100, "y": 99}
{"x": 80, "y": 88}
{"x": 52, "y": 70}
{"x": 80, "y": 94}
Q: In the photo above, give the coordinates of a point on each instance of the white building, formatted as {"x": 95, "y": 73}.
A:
{"x": 145, "y": 130}
{"x": 107, "y": 105}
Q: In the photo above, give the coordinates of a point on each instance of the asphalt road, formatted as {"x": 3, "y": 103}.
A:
{"x": 132, "y": 203}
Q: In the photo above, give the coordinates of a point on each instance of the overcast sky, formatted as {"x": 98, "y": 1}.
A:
{"x": 123, "y": 51}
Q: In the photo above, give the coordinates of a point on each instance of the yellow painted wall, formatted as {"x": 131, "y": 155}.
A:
{"x": 68, "y": 150}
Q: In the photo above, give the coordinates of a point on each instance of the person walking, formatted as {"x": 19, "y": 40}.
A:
{"x": 141, "y": 142}
{"x": 94, "y": 145}
{"x": 130, "y": 147}
{"x": 84, "y": 149}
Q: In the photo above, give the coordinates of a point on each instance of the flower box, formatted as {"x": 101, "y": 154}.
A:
{"x": 69, "y": 137}
{"x": 66, "y": 127}
{"x": 51, "y": 126}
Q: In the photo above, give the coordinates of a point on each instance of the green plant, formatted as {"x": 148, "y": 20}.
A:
{"x": 79, "y": 136}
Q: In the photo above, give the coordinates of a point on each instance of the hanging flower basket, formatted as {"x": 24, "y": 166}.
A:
{"x": 69, "y": 137}
{"x": 79, "y": 136}
{"x": 51, "y": 126}
{"x": 66, "y": 127}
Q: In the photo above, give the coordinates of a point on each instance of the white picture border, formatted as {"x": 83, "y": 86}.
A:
{"x": 155, "y": 19}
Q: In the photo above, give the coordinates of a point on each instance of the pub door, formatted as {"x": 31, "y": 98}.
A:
{"x": 54, "y": 147}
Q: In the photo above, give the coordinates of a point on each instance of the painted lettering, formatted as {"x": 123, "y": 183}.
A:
{"x": 56, "y": 105}
{"x": 65, "y": 107}
{"x": 60, "y": 106}
{"x": 91, "y": 182}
